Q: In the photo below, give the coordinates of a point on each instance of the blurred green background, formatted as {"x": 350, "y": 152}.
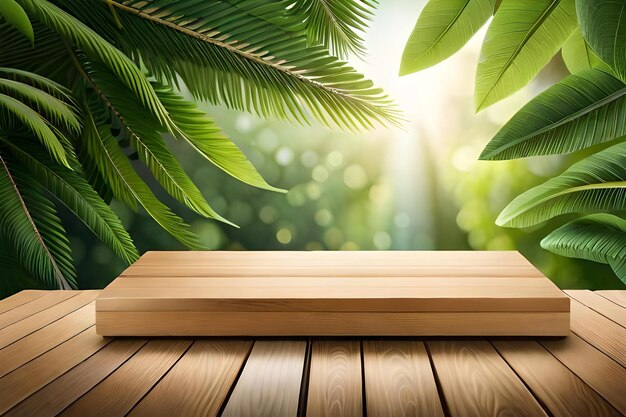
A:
{"x": 416, "y": 188}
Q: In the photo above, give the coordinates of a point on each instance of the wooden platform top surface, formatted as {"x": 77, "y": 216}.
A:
{"x": 53, "y": 362}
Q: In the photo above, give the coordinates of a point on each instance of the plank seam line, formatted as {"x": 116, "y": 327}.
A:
{"x": 304, "y": 383}
{"x": 363, "y": 398}
{"x": 442, "y": 398}
{"x": 235, "y": 381}
{"x": 40, "y": 311}
{"x": 606, "y": 298}
{"x": 160, "y": 378}
{"x": 519, "y": 377}
{"x": 24, "y": 303}
{"x": 49, "y": 323}
{"x": 596, "y": 310}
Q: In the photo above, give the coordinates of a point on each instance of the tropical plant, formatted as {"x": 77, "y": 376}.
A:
{"x": 88, "y": 87}
{"x": 585, "y": 112}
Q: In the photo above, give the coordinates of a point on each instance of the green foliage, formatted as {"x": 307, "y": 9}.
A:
{"x": 598, "y": 237}
{"x": 443, "y": 28}
{"x": 17, "y": 17}
{"x": 578, "y": 56}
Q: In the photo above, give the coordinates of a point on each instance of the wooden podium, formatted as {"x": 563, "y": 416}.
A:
{"x": 361, "y": 293}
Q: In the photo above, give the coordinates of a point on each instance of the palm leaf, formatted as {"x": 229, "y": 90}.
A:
{"x": 207, "y": 138}
{"x": 522, "y": 38}
{"x": 603, "y": 25}
{"x": 17, "y": 17}
{"x": 598, "y": 237}
{"x": 29, "y": 223}
{"x": 335, "y": 24}
{"x": 76, "y": 194}
{"x": 246, "y": 54}
{"x": 578, "y": 56}
{"x": 443, "y": 28}
{"x": 596, "y": 183}
{"x": 582, "y": 110}
{"x": 126, "y": 185}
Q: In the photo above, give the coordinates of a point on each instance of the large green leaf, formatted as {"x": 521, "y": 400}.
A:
{"x": 603, "y": 24}
{"x": 596, "y": 183}
{"x": 442, "y": 28}
{"x": 598, "y": 237}
{"x": 28, "y": 221}
{"x": 578, "y": 56}
{"x": 522, "y": 38}
{"x": 17, "y": 17}
{"x": 580, "y": 111}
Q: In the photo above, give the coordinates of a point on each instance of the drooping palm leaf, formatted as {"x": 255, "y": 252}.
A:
{"x": 522, "y": 38}
{"x": 580, "y": 111}
{"x": 578, "y": 56}
{"x": 335, "y": 24}
{"x": 246, "y": 54}
{"x": 28, "y": 221}
{"x": 598, "y": 237}
{"x": 596, "y": 183}
{"x": 442, "y": 28}
{"x": 76, "y": 194}
{"x": 17, "y": 17}
{"x": 603, "y": 25}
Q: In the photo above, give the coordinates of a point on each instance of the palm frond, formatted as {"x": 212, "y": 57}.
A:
{"x": 13, "y": 14}
{"x": 582, "y": 110}
{"x": 335, "y": 24}
{"x": 28, "y": 221}
{"x": 598, "y": 237}
{"x": 596, "y": 183}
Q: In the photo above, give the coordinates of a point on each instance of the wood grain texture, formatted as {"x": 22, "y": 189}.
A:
{"x": 399, "y": 380}
{"x": 599, "y": 304}
{"x": 269, "y": 385}
{"x": 335, "y": 388}
{"x": 19, "y": 299}
{"x": 199, "y": 382}
{"x": 16, "y": 331}
{"x": 618, "y": 297}
{"x": 63, "y": 391}
{"x": 35, "y": 306}
{"x": 28, "y": 348}
{"x": 596, "y": 369}
{"x": 181, "y": 323}
{"x": 22, "y": 382}
{"x": 120, "y": 391}
{"x": 604, "y": 334}
{"x": 476, "y": 381}
{"x": 561, "y": 391}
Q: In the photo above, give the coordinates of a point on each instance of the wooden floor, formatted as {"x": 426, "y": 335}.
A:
{"x": 53, "y": 362}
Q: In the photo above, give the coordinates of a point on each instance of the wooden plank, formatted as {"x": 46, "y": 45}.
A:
{"x": 120, "y": 391}
{"x": 23, "y": 328}
{"x": 592, "y": 366}
{"x": 63, "y": 391}
{"x": 335, "y": 388}
{"x": 181, "y": 323}
{"x": 198, "y": 384}
{"x": 19, "y": 384}
{"x": 617, "y": 296}
{"x": 561, "y": 391}
{"x": 28, "y": 348}
{"x": 269, "y": 385}
{"x": 601, "y": 332}
{"x": 42, "y": 303}
{"x": 600, "y": 304}
{"x": 476, "y": 381}
{"x": 20, "y": 298}
{"x": 399, "y": 380}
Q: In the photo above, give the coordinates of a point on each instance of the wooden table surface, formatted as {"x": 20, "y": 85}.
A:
{"x": 53, "y": 362}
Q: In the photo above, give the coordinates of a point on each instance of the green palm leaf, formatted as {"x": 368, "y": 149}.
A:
{"x": 126, "y": 185}
{"x": 207, "y": 138}
{"x": 522, "y": 38}
{"x": 17, "y": 17}
{"x": 596, "y": 183}
{"x": 335, "y": 24}
{"x": 28, "y": 221}
{"x": 443, "y": 28}
{"x": 246, "y": 54}
{"x": 598, "y": 237}
{"x": 75, "y": 193}
{"x": 580, "y": 111}
{"x": 603, "y": 25}
{"x": 578, "y": 56}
